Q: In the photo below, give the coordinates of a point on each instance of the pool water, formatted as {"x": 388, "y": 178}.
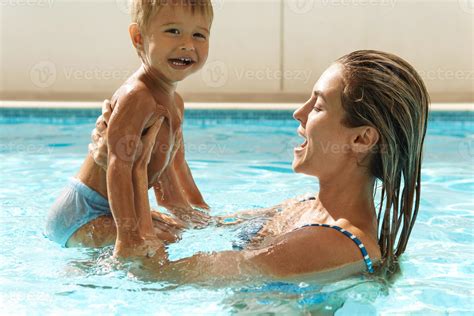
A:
{"x": 240, "y": 161}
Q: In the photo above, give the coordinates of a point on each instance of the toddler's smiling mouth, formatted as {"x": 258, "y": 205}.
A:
{"x": 181, "y": 62}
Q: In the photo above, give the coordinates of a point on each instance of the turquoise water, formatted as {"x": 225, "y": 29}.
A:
{"x": 239, "y": 163}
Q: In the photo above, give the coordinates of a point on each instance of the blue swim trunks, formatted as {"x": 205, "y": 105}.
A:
{"x": 76, "y": 206}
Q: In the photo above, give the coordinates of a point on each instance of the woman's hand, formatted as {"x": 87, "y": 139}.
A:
{"x": 191, "y": 216}
{"x": 98, "y": 147}
{"x": 167, "y": 228}
{"x": 145, "y": 149}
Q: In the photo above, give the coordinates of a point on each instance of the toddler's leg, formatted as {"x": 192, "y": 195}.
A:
{"x": 100, "y": 232}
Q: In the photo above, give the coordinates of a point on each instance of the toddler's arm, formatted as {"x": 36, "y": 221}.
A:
{"x": 185, "y": 178}
{"x": 169, "y": 194}
{"x": 125, "y": 128}
{"x": 140, "y": 186}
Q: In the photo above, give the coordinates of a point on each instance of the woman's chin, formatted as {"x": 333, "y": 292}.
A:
{"x": 296, "y": 165}
{"x": 302, "y": 166}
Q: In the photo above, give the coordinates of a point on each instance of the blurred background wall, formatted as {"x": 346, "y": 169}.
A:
{"x": 261, "y": 50}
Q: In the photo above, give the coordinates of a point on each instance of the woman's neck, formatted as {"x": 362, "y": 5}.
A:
{"x": 351, "y": 198}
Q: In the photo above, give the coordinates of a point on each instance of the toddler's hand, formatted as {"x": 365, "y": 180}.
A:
{"x": 202, "y": 205}
{"x": 148, "y": 247}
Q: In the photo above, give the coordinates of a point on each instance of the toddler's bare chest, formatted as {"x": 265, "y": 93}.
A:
{"x": 166, "y": 146}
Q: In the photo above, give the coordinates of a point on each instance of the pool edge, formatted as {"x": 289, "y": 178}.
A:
{"x": 452, "y": 107}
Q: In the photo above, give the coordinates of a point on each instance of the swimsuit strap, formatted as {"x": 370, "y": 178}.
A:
{"x": 357, "y": 241}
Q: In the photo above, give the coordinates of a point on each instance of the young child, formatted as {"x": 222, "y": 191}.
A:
{"x": 172, "y": 40}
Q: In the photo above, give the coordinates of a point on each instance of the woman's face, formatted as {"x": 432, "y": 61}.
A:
{"x": 327, "y": 142}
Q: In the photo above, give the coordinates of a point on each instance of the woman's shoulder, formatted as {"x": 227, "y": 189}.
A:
{"x": 308, "y": 250}
{"x": 320, "y": 247}
{"x": 369, "y": 241}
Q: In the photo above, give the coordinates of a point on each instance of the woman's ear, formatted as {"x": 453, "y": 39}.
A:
{"x": 365, "y": 138}
{"x": 136, "y": 36}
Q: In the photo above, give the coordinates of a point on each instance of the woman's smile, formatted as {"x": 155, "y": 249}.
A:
{"x": 301, "y": 147}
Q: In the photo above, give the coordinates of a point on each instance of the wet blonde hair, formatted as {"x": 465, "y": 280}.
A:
{"x": 144, "y": 10}
{"x": 385, "y": 92}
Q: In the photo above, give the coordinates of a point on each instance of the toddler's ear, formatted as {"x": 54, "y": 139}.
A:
{"x": 136, "y": 35}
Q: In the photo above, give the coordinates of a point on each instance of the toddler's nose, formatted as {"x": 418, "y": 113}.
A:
{"x": 187, "y": 48}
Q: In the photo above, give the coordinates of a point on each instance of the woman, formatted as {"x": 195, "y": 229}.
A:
{"x": 365, "y": 120}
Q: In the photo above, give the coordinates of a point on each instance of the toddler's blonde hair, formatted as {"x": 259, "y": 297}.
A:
{"x": 144, "y": 10}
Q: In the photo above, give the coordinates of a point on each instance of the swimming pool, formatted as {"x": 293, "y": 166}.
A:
{"x": 241, "y": 160}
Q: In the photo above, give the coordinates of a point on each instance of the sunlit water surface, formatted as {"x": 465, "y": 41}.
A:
{"x": 238, "y": 164}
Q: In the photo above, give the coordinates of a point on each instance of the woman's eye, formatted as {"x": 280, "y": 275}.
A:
{"x": 317, "y": 109}
{"x": 173, "y": 31}
{"x": 199, "y": 35}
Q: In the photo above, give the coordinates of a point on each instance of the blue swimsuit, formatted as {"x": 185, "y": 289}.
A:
{"x": 253, "y": 226}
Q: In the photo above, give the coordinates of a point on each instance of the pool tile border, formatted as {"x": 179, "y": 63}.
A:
{"x": 211, "y": 114}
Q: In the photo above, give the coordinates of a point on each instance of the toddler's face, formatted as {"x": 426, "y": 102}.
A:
{"x": 177, "y": 42}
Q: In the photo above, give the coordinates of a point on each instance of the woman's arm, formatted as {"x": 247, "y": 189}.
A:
{"x": 243, "y": 216}
{"x": 303, "y": 251}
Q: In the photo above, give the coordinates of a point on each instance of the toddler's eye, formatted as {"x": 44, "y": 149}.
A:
{"x": 199, "y": 35}
{"x": 317, "y": 109}
{"x": 173, "y": 31}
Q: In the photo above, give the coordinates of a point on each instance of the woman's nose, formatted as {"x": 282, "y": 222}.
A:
{"x": 299, "y": 115}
